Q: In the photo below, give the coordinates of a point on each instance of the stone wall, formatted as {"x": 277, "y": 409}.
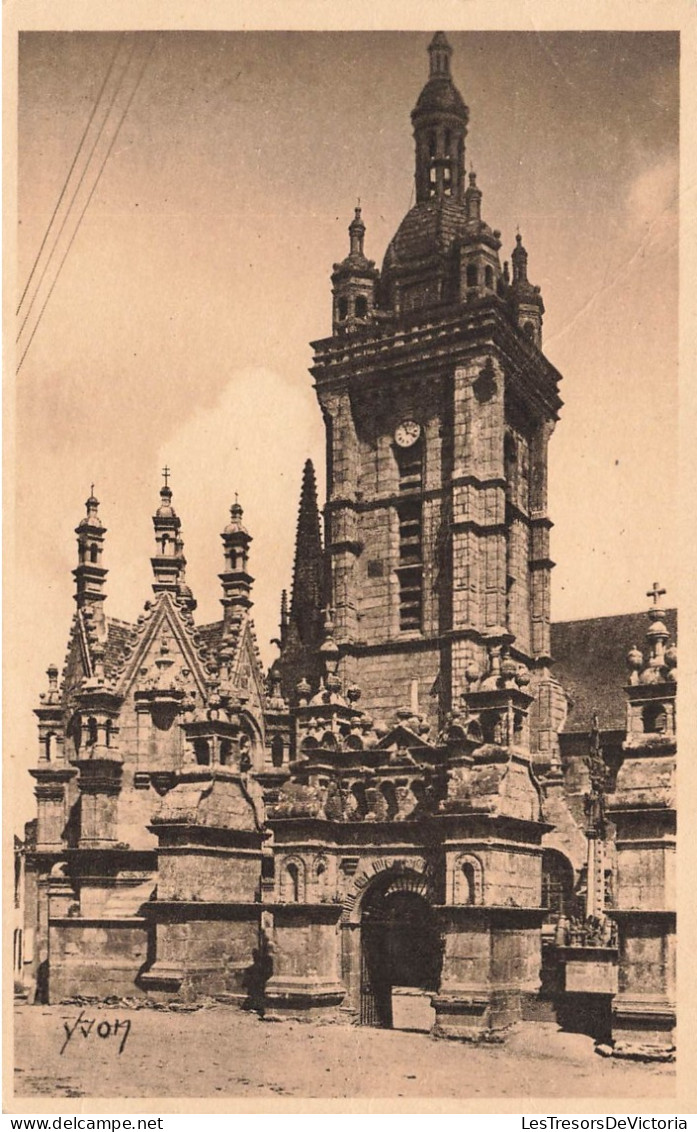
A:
{"x": 98, "y": 957}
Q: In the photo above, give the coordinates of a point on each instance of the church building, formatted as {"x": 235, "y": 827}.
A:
{"x": 436, "y": 803}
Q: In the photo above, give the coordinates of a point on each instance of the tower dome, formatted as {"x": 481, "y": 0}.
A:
{"x": 442, "y": 252}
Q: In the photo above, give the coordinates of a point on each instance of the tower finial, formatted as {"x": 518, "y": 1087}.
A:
{"x": 357, "y": 233}
{"x": 92, "y": 505}
{"x": 90, "y": 574}
{"x": 440, "y": 52}
{"x": 473, "y": 199}
{"x": 236, "y": 580}
{"x": 168, "y": 561}
{"x": 657, "y": 633}
{"x": 440, "y": 126}
{"x": 519, "y": 260}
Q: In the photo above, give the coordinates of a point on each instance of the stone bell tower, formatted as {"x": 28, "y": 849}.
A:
{"x": 438, "y": 405}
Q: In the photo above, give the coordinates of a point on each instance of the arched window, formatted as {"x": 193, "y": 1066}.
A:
{"x": 472, "y": 275}
{"x": 225, "y": 752}
{"x": 202, "y": 752}
{"x": 92, "y": 731}
{"x": 518, "y": 727}
{"x": 361, "y": 306}
{"x": 654, "y": 719}
{"x": 529, "y": 331}
{"x": 320, "y": 876}
{"x": 245, "y": 753}
{"x": 94, "y": 552}
{"x": 294, "y": 877}
{"x": 342, "y": 308}
{"x": 293, "y": 882}
{"x": 489, "y": 276}
{"x": 468, "y": 880}
{"x": 108, "y": 729}
{"x": 50, "y": 746}
{"x": 492, "y": 727}
{"x": 557, "y": 885}
{"x": 277, "y": 750}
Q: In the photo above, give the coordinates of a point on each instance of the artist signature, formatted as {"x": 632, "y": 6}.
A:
{"x": 103, "y": 1029}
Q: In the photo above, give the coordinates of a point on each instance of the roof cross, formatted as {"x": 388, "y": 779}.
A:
{"x": 655, "y": 593}
{"x": 166, "y": 473}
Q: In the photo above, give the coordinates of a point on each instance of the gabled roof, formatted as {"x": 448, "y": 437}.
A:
{"x": 590, "y": 663}
{"x": 403, "y": 736}
{"x": 120, "y": 634}
{"x": 158, "y": 613}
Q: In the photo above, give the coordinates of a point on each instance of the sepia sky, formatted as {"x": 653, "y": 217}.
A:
{"x": 178, "y": 329}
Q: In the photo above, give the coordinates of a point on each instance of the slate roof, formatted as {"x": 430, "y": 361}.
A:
{"x": 212, "y": 635}
{"x": 590, "y": 663}
{"x": 589, "y": 660}
{"x": 119, "y": 634}
{"x": 430, "y": 226}
{"x": 440, "y": 95}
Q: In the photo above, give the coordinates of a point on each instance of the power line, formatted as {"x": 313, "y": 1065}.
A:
{"x": 70, "y": 171}
{"x": 92, "y": 191}
{"x": 74, "y": 196}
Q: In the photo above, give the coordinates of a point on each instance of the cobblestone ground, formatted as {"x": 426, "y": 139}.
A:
{"x": 222, "y": 1052}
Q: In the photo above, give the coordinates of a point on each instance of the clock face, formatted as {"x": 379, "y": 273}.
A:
{"x": 407, "y": 433}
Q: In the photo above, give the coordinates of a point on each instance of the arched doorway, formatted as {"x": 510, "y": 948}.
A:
{"x": 400, "y": 947}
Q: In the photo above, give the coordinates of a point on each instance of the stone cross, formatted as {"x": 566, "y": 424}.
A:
{"x": 655, "y": 593}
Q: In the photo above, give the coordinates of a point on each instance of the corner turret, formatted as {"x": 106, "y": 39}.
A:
{"x": 353, "y": 283}
{"x": 237, "y": 582}
{"x": 168, "y": 562}
{"x": 526, "y": 300}
{"x": 90, "y": 574}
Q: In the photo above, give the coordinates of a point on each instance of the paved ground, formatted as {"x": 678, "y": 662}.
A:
{"x": 221, "y": 1051}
